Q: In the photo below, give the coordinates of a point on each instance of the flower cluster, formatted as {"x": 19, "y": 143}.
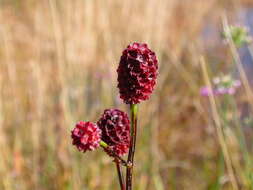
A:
{"x": 113, "y": 128}
{"x": 221, "y": 85}
{"x": 137, "y": 73}
{"x": 239, "y": 35}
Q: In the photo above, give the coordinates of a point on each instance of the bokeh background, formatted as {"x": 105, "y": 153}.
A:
{"x": 58, "y": 61}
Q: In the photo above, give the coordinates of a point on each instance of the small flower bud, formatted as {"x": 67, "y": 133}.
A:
{"x": 86, "y": 136}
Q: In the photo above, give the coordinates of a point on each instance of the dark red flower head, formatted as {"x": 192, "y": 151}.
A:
{"x": 86, "y": 136}
{"x": 115, "y": 127}
{"x": 137, "y": 73}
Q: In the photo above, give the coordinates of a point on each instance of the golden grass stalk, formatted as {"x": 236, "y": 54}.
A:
{"x": 238, "y": 62}
{"x": 218, "y": 126}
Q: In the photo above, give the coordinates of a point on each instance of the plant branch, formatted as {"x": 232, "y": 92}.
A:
{"x": 111, "y": 153}
{"x": 130, "y": 160}
{"x": 120, "y": 174}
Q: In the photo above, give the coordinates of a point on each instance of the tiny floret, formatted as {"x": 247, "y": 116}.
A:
{"x": 86, "y": 136}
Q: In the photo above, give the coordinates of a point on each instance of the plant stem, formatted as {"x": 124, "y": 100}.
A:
{"x": 113, "y": 154}
{"x": 219, "y": 128}
{"x": 120, "y": 175}
{"x": 130, "y": 160}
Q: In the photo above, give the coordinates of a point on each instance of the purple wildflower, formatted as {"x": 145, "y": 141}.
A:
{"x": 221, "y": 85}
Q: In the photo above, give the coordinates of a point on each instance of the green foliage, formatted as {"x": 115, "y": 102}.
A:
{"x": 239, "y": 35}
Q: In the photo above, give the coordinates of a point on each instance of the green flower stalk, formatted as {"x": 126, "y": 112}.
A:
{"x": 130, "y": 160}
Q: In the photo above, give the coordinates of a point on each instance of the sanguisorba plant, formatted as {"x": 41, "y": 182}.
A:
{"x": 137, "y": 74}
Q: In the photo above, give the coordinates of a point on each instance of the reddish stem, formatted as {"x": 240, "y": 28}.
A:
{"x": 120, "y": 175}
{"x": 113, "y": 154}
{"x": 130, "y": 160}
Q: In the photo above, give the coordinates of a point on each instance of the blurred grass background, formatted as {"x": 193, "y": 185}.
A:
{"x": 58, "y": 61}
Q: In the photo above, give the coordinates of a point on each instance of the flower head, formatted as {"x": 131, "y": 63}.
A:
{"x": 137, "y": 73}
{"x": 86, "y": 136}
{"x": 115, "y": 127}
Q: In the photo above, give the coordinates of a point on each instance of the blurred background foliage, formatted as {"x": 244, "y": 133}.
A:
{"x": 58, "y": 61}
